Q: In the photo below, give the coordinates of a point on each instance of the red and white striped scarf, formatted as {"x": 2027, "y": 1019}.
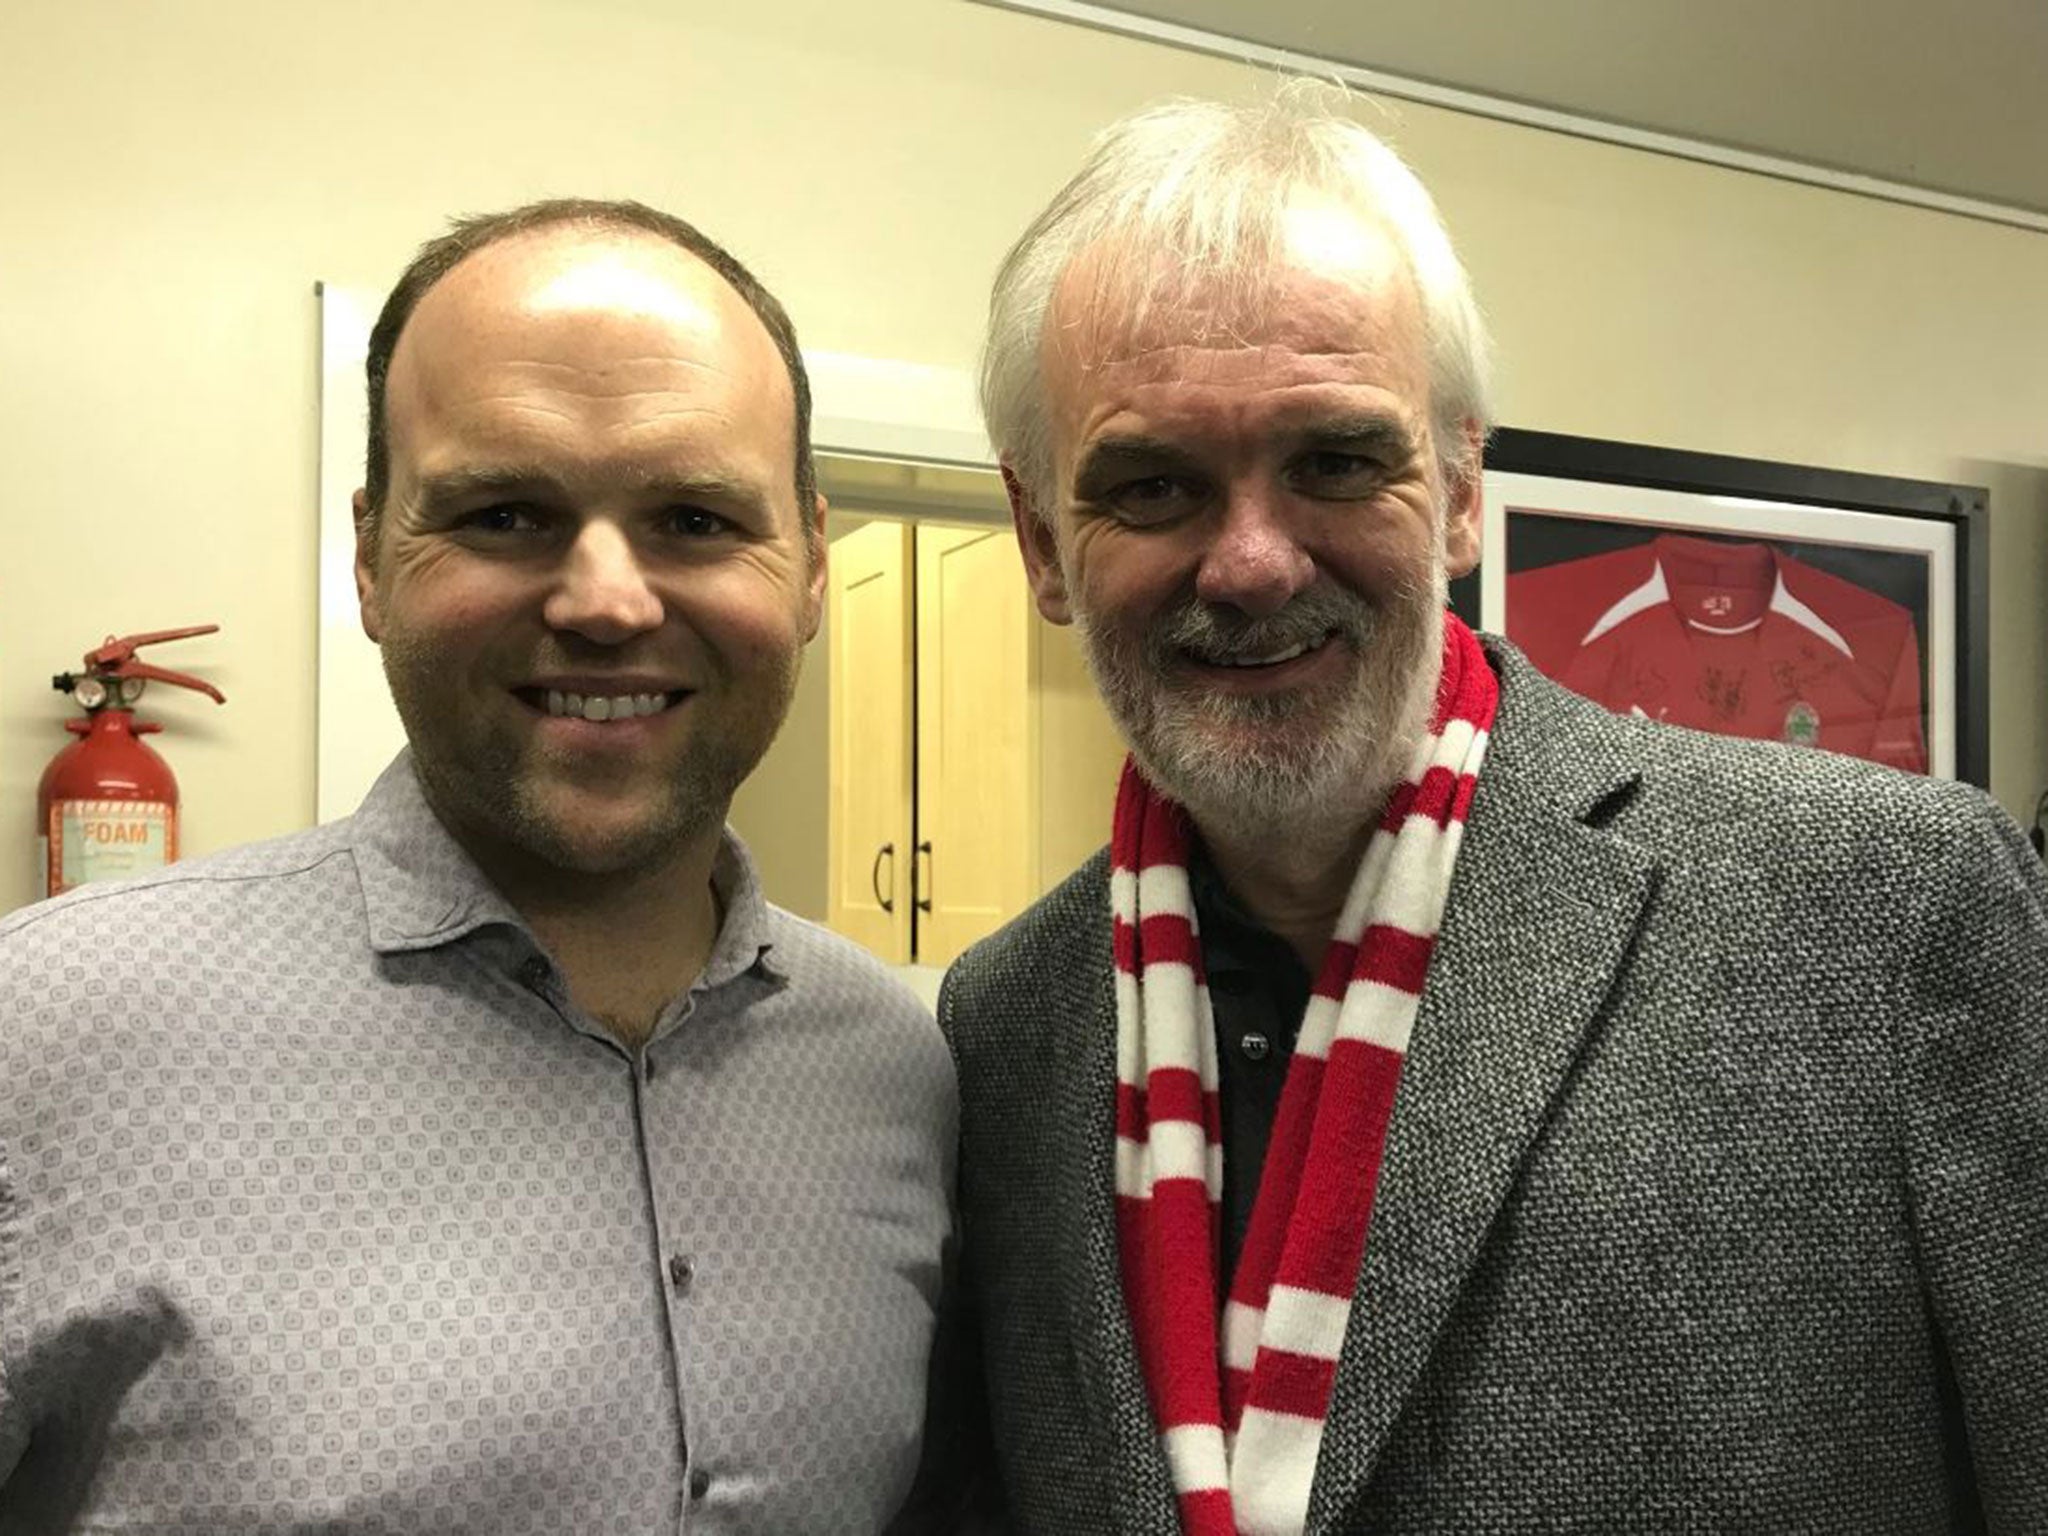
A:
{"x": 1241, "y": 1435}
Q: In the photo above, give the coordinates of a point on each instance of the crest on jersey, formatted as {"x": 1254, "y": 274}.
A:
{"x": 1802, "y": 725}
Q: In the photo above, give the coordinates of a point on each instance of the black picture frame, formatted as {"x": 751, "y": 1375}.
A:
{"x": 1718, "y": 496}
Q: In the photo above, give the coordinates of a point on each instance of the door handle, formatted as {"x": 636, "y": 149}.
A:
{"x": 886, "y": 851}
{"x": 920, "y": 890}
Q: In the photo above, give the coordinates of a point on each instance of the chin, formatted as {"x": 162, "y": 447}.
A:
{"x": 1269, "y": 779}
{"x": 576, "y": 842}
{"x": 582, "y": 855}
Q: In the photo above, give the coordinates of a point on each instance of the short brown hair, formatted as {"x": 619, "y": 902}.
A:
{"x": 467, "y": 236}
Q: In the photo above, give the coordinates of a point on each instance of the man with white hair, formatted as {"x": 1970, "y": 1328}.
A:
{"x": 1448, "y": 1106}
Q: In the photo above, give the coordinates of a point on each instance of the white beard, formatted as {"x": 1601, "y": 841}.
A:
{"x": 1295, "y": 763}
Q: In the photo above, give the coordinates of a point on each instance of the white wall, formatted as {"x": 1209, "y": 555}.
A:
{"x": 174, "y": 177}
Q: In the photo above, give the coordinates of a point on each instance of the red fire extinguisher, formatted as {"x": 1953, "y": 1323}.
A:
{"x": 108, "y": 805}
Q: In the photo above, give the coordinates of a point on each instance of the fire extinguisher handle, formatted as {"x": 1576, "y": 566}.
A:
{"x": 154, "y": 674}
{"x": 119, "y": 648}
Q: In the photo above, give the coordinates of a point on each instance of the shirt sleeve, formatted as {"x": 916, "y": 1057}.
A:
{"x": 13, "y": 1412}
{"x": 957, "y": 1492}
{"x": 1972, "y": 1038}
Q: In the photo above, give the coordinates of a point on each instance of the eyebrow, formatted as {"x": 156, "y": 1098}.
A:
{"x": 459, "y": 485}
{"x": 1382, "y": 437}
{"x": 1364, "y": 433}
{"x": 1130, "y": 454}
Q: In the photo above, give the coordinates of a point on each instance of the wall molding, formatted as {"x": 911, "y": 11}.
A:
{"x": 1524, "y": 114}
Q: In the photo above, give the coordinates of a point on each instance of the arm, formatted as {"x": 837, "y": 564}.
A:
{"x": 1972, "y": 1035}
{"x": 14, "y": 1426}
{"x": 956, "y": 1493}
{"x": 13, "y": 1412}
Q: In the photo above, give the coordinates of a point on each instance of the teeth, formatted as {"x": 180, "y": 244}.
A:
{"x": 1273, "y": 660}
{"x": 597, "y": 707}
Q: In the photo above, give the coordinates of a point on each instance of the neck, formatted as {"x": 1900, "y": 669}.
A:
{"x": 1293, "y": 883}
{"x": 627, "y": 942}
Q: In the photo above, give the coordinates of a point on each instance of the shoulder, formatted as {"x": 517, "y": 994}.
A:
{"x": 1799, "y": 806}
{"x": 192, "y": 889}
{"x": 183, "y": 930}
{"x": 853, "y": 1017}
{"x": 1693, "y": 794}
{"x": 1059, "y": 941}
{"x": 833, "y": 971}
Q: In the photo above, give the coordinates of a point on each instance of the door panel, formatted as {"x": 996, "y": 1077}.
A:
{"x": 870, "y": 626}
{"x": 1080, "y": 756}
{"x": 977, "y": 792}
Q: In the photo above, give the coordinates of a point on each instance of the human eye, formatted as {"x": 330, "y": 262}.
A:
{"x": 1150, "y": 499}
{"x": 1335, "y": 473}
{"x": 500, "y": 517}
{"x": 696, "y": 523}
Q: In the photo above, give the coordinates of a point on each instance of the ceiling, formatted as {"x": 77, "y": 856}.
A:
{"x": 1951, "y": 99}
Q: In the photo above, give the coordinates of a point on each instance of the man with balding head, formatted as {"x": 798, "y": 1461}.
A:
{"x": 497, "y": 1159}
{"x": 1447, "y": 1106}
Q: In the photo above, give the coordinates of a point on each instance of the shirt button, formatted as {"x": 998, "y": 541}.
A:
{"x": 700, "y": 1483}
{"x": 680, "y": 1272}
{"x": 1255, "y": 1046}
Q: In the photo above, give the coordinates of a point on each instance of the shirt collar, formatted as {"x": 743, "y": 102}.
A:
{"x": 422, "y": 890}
{"x": 419, "y": 886}
{"x": 745, "y": 933}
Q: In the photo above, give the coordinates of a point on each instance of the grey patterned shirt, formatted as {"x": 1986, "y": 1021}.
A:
{"x": 323, "y": 1209}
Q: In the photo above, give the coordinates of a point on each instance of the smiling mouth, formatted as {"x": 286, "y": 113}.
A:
{"x": 599, "y": 708}
{"x": 1251, "y": 661}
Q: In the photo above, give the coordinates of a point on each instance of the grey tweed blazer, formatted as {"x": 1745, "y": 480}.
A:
{"x": 1716, "y": 1193}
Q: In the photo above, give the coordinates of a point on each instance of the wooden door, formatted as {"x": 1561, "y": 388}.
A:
{"x": 1080, "y": 756}
{"x": 977, "y": 789}
{"x": 869, "y": 631}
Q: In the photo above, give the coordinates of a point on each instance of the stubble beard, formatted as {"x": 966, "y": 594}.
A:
{"x": 497, "y": 793}
{"x": 1287, "y": 764}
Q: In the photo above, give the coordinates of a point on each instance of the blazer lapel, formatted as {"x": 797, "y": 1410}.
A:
{"x": 1114, "y": 1396}
{"x": 1543, "y": 909}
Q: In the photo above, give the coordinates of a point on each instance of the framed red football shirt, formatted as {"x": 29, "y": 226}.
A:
{"x": 1736, "y": 638}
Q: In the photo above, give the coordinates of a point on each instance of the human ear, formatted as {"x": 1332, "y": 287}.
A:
{"x": 1464, "y": 501}
{"x": 367, "y": 598}
{"x": 1038, "y": 542}
{"x": 819, "y": 550}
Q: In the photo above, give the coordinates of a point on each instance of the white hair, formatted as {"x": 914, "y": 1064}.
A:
{"x": 1188, "y": 198}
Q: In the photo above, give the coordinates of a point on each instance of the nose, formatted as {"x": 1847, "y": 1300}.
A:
{"x": 1255, "y": 562}
{"x": 601, "y": 592}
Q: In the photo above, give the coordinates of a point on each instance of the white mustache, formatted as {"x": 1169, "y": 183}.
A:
{"x": 1307, "y": 621}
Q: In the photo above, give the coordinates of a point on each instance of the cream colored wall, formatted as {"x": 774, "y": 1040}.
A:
{"x": 176, "y": 176}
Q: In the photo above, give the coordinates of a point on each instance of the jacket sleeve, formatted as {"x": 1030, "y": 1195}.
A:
{"x": 1972, "y": 1043}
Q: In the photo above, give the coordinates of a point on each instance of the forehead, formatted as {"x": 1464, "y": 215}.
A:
{"x": 1326, "y": 297}
{"x": 602, "y": 311}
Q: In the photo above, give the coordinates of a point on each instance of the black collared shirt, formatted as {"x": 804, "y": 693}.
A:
{"x": 1258, "y": 990}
